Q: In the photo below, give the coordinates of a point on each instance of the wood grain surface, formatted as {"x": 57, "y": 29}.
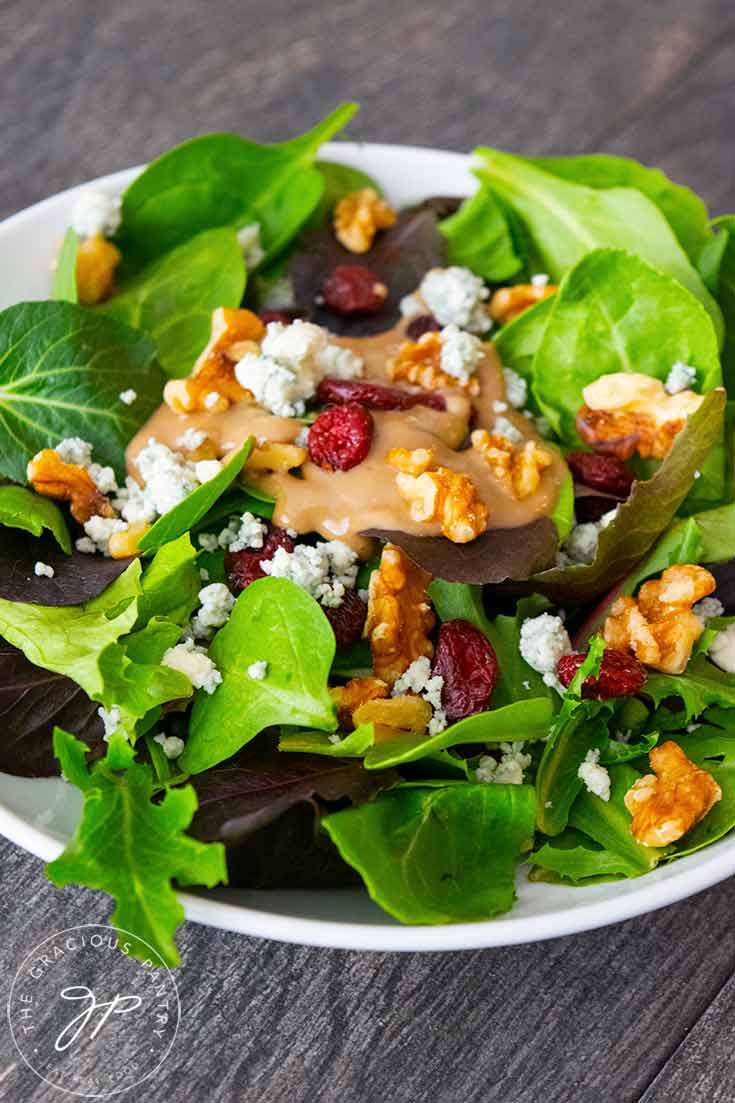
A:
{"x": 641, "y": 1010}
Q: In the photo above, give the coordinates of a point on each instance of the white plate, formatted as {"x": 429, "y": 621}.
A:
{"x": 40, "y": 815}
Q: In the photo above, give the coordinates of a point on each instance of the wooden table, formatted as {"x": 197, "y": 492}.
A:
{"x": 639, "y": 1011}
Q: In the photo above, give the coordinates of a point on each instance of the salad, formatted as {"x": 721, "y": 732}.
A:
{"x": 345, "y": 545}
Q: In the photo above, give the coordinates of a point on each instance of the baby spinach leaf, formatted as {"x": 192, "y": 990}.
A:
{"x": 645, "y": 514}
{"x": 172, "y": 299}
{"x": 274, "y": 621}
{"x": 64, "y": 284}
{"x": 190, "y": 511}
{"x": 224, "y": 180}
{"x": 717, "y": 265}
{"x": 137, "y": 863}
{"x": 170, "y": 584}
{"x": 523, "y": 720}
{"x": 480, "y": 238}
{"x": 517, "y": 342}
{"x": 614, "y": 313}
{"x": 682, "y": 208}
{"x": 32, "y": 702}
{"x": 438, "y": 855}
{"x": 77, "y": 578}
{"x": 22, "y": 509}
{"x": 568, "y": 220}
{"x": 580, "y": 726}
{"x": 62, "y": 369}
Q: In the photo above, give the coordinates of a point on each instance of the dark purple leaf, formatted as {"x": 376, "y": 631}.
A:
{"x": 496, "y": 556}
{"x": 32, "y": 702}
{"x": 77, "y": 578}
{"x": 400, "y": 256}
{"x": 591, "y": 505}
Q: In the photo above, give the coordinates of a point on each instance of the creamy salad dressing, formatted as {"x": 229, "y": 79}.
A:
{"x": 341, "y": 504}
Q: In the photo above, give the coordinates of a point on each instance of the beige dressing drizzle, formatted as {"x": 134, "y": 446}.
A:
{"x": 340, "y": 504}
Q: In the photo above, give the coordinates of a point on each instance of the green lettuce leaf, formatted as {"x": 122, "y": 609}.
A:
{"x": 702, "y": 684}
{"x": 145, "y": 850}
{"x": 646, "y": 513}
{"x": 717, "y": 265}
{"x": 523, "y": 720}
{"x": 480, "y": 238}
{"x": 711, "y": 746}
{"x": 62, "y": 369}
{"x": 64, "y": 284}
{"x": 272, "y": 621}
{"x": 224, "y": 180}
{"x": 567, "y": 220}
{"x": 438, "y": 855}
{"x": 189, "y": 512}
{"x": 517, "y": 342}
{"x": 172, "y": 299}
{"x": 22, "y": 509}
{"x": 170, "y": 584}
{"x": 682, "y": 208}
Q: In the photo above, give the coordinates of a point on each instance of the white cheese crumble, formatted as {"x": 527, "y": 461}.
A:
{"x": 722, "y": 649}
{"x": 280, "y": 295}
{"x": 682, "y": 377}
{"x": 98, "y": 531}
{"x": 168, "y": 479}
{"x": 418, "y": 679}
{"x": 516, "y": 388}
{"x": 216, "y": 603}
{"x": 595, "y": 777}
{"x": 544, "y": 640}
{"x": 505, "y": 428}
{"x": 248, "y": 238}
{"x": 461, "y": 353}
{"x": 302, "y": 437}
{"x": 325, "y": 571}
{"x": 540, "y": 279}
{"x": 111, "y": 720}
{"x": 334, "y": 738}
{"x": 581, "y": 544}
{"x": 192, "y": 439}
{"x": 411, "y": 306}
{"x": 96, "y": 212}
{"x": 171, "y": 745}
{"x": 43, "y": 570}
{"x": 211, "y": 399}
{"x": 242, "y": 532}
{"x": 499, "y": 407}
{"x": 292, "y": 361}
{"x": 708, "y": 608}
{"x": 508, "y": 770}
{"x": 258, "y": 670}
{"x": 195, "y": 663}
{"x": 128, "y": 397}
{"x": 74, "y": 450}
{"x": 207, "y": 469}
{"x": 456, "y": 296}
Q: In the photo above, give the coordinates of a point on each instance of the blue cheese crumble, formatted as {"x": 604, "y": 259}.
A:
{"x": 43, "y": 570}
{"x": 326, "y": 570}
{"x": 96, "y": 212}
{"x": 682, "y": 377}
{"x": 171, "y": 745}
{"x": 595, "y": 777}
{"x": 508, "y": 769}
{"x": 258, "y": 670}
{"x": 419, "y": 679}
{"x": 456, "y": 296}
{"x": 193, "y": 662}
{"x": 544, "y": 640}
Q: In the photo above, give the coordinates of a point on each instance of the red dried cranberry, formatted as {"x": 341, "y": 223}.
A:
{"x": 243, "y": 567}
{"x": 341, "y": 436}
{"x": 605, "y": 473}
{"x": 467, "y": 662}
{"x": 348, "y": 619}
{"x": 354, "y": 289}
{"x": 423, "y": 323}
{"x": 375, "y": 395}
{"x": 621, "y": 675}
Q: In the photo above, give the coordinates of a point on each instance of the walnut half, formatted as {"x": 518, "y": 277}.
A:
{"x": 518, "y": 470}
{"x": 52, "y": 478}
{"x": 212, "y": 386}
{"x": 399, "y": 616}
{"x": 358, "y": 216}
{"x": 667, "y": 803}
{"x": 435, "y": 493}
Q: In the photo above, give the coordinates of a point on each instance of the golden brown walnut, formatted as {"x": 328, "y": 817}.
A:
{"x": 435, "y": 493}
{"x": 125, "y": 543}
{"x": 212, "y": 386}
{"x": 68, "y": 482}
{"x": 418, "y": 362}
{"x": 667, "y": 803}
{"x": 399, "y": 616}
{"x": 407, "y": 714}
{"x": 518, "y": 470}
{"x": 358, "y": 216}
{"x": 273, "y": 455}
{"x": 508, "y": 302}
{"x": 659, "y": 626}
{"x": 354, "y": 693}
{"x": 96, "y": 262}
{"x": 629, "y": 412}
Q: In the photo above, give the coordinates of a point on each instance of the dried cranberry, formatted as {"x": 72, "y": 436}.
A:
{"x": 341, "y": 436}
{"x": 243, "y": 567}
{"x": 467, "y": 662}
{"x": 375, "y": 395}
{"x": 621, "y": 675}
{"x": 605, "y": 473}
{"x": 418, "y": 326}
{"x": 354, "y": 289}
{"x": 348, "y": 619}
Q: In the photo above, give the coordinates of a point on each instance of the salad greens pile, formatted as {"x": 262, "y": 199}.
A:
{"x": 267, "y": 789}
